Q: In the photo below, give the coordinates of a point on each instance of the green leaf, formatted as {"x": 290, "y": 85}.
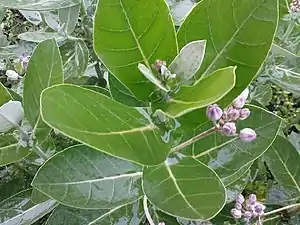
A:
{"x": 75, "y": 56}
{"x": 38, "y": 197}
{"x": 52, "y": 20}
{"x": 4, "y": 94}
{"x": 39, "y": 36}
{"x": 122, "y": 215}
{"x": 69, "y": 17}
{"x": 2, "y": 13}
{"x": 235, "y": 188}
{"x": 159, "y": 217}
{"x": 122, "y": 94}
{"x": 18, "y": 209}
{"x": 96, "y": 181}
{"x": 283, "y": 7}
{"x": 283, "y": 161}
{"x": 262, "y": 94}
{"x": 33, "y": 17}
{"x": 185, "y": 188}
{"x": 188, "y": 61}
{"x": 294, "y": 138}
{"x": 228, "y": 180}
{"x": 11, "y": 115}
{"x": 227, "y": 155}
{"x": 132, "y": 38}
{"x": 10, "y": 151}
{"x": 203, "y": 93}
{"x": 249, "y": 27}
{"x": 44, "y": 70}
{"x": 38, "y": 5}
{"x": 104, "y": 124}
{"x": 281, "y": 195}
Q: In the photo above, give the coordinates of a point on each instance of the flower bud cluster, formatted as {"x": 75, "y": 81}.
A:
{"x": 295, "y": 6}
{"x": 247, "y": 209}
{"x": 161, "y": 67}
{"x": 226, "y": 119}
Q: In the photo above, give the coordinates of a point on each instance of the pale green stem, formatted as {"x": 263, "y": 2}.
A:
{"x": 146, "y": 210}
{"x": 282, "y": 209}
{"x": 40, "y": 152}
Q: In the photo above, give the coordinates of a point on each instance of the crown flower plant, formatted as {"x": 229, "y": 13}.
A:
{"x": 111, "y": 113}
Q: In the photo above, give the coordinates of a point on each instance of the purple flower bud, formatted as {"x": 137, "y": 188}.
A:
{"x": 239, "y": 102}
{"x": 214, "y": 112}
{"x": 237, "y": 214}
{"x": 158, "y": 64}
{"x": 232, "y": 114}
{"x": 248, "y": 214}
{"x": 252, "y": 199}
{"x": 229, "y": 129}
{"x": 245, "y": 93}
{"x": 247, "y": 135}
{"x": 238, "y": 206}
{"x": 259, "y": 208}
{"x": 244, "y": 113}
{"x": 162, "y": 223}
{"x": 240, "y": 199}
{"x": 24, "y": 60}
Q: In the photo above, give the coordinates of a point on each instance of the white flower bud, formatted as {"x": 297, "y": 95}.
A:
{"x": 238, "y": 206}
{"x": 162, "y": 223}
{"x": 12, "y": 75}
{"x": 229, "y": 129}
{"x": 244, "y": 113}
{"x": 248, "y": 214}
{"x": 240, "y": 101}
{"x": 214, "y": 112}
{"x": 237, "y": 214}
{"x": 247, "y": 135}
{"x": 240, "y": 199}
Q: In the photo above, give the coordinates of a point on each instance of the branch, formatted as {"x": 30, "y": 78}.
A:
{"x": 282, "y": 209}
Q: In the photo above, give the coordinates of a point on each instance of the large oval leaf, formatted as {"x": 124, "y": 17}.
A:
{"x": 10, "y": 151}
{"x": 131, "y": 214}
{"x": 104, "y": 124}
{"x": 82, "y": 177}
{"x": 4, "y": 95}
{"x": 140, "y": 32}
{"x": 283, "y": 161}
{"x": 186, "y": 188}
{"x": 44, "y": 70}
{"x": 39, "y": 5}
{"x": 228, "y": 155}
{"x": 207, "y": 91}
{"x": 243, "y": 39}
{"x": 69, "y": 17}
{"x": 18, "y": 209}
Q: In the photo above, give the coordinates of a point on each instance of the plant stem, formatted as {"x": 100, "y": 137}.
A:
{"x": 40, "y": 152}
{"x": 288, "y": 31}
{"x": 146, "y": 210}
{"x": 282, "y": 209}
{"x": 194, "y": 139}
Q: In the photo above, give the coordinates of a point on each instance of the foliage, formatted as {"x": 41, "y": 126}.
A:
{"x": 135, "y": 112}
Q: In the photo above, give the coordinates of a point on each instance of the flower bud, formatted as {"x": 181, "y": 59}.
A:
{"x": 240, "y": 199}
{"x": 229, "y": 129}
{"x": 238, "y": 206}
{"x": 259, "y": 208}
{"x": 247, "y": 135}
{"x": 237, "y": 214}
{"x": 248, "y": 214}
{"x": 252, "y": 199}
{"x": 214, "y": 112}
{"x": 244, "y": 113}
{"x": 24, "y": 60}
{"x": 245, "y": 93}
{"x": 167, "y": 73}
{"x": 239, "y": 102}
{"x": 162, "y": 223}
{"x": 232, "y": 114}
{"x": 158, "y": 64}
{"x": 12, "y": 75}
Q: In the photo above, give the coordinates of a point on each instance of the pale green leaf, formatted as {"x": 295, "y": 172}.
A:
{"x": 185, "y": 188}
{"x": 11, "y": 114}
{"x": 2, "y": 13}
{"x": 51, "y": 19}
{"x": 4, "y": 94}
{"x": 10, "y": 151}
{"x": 33, "y": 17}
{"x": 238, "y": 33}
{"x": 235, "y": 188}
{"x": 188, "y": 61}
{"x": 131, "y": 214}
{"x": 203, "y": 93}
{"x": 38, "y": 5}
{"x": 69, "y": 17}
{"x": 39, "y": 36}
{"x": 294, "y": 138}
{"x": 283, "y": 161}
{"x": 227, "y": 155}
{"x": 132, "y": 37}
{"x": 75, "y": 57}
{"x": 106, "y": 125}
{"x": 44, "y": 70}
{"x": 180, "y": 9}
{"x": 281, "y": 195}
{"x": 84, "y": 178}
{"x": 262, "y": 94}
{"x": 18, "y": 209}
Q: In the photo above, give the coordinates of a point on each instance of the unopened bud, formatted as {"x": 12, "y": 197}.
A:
{"x": 245, "y": 93}
{"x": 259, "y": 208}
{"x": 252, "y": 199}
{"x": 12, "y": 75}
{"x": 248, "y": 214}
{"x": 167, "y": 73}
{"x": 244, "y": 113}
{"x": 162, "y": 223}
{"x": 214, "y": 112}
{"x": 158, "y": 64}
{"x": 232, "y": 114}
{"x": 240, "y": 199}
{"x": 247, "y": 135}
{"x": 24, "y": 60}
{"x": 238, "y": 206}
{"x": 229, "y": 129}
{"x": 237, "y": 214}
{"x": 240, "y": 101}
